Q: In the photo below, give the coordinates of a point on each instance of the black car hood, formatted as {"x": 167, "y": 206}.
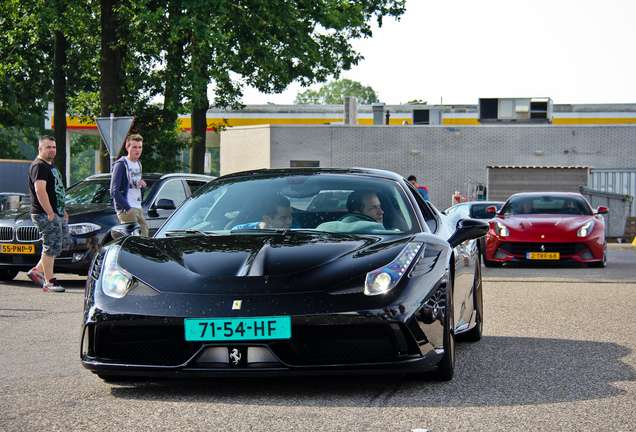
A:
{"x": 256, "y": 263}
{"x": 19, "y": 214}
{"x": 80, "y": 209}
{"x": 23, "y": 213}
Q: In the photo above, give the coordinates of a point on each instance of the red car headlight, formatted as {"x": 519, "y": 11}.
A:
{"x": 501, "y": 229}
{"x": 586, "y": 229}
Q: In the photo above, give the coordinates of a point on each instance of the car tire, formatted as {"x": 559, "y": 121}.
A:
{"x": 474, "y": 334}
{"x": 446, "y": 366}
{"x": 7, "y": 275}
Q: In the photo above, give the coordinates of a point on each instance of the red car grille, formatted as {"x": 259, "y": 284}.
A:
{"x": 565, "y": 249}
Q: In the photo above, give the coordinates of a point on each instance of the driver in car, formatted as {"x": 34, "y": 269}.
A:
{"x": 365, "y": 202}
{"x": 276, "y": 211}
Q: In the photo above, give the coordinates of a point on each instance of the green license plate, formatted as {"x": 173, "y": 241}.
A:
{"x": 542, "y": 255}
{"x": 17, "y": 249}
{"x": 242, "y": 329}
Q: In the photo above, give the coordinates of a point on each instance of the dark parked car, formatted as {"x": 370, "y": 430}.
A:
{"x": 476, "y": 210}
{"x": 91, "y": 216}
{"x": 336, "y": 292}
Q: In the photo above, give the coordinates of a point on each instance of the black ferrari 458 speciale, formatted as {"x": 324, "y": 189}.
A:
{"x": 288, "y": 271}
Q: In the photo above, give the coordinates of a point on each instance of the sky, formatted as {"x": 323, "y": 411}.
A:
{"x": 458, "y": 51}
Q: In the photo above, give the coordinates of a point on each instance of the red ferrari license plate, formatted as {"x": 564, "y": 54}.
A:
{"x": 542, "y": 255}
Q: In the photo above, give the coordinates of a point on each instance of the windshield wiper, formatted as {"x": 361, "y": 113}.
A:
{"x": 283, "y": 231}
{"x": 190, "y": 232}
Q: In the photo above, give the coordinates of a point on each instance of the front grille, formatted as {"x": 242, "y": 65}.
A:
{"x": 6, "y": 233}
{"x": 565, "y": 249}
{"x": 147, "y": 345}
{"x": 27, "y": 234}
{"x": 338, "y": 344}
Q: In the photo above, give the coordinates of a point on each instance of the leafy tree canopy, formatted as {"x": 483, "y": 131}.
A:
{"x": 174, "y": 49}
{"x": 335, "y": 91}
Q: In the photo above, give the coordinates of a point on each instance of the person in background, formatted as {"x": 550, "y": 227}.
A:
{"x": 276, "y": 211}
{"x": 413, "y": 180}
{"x": 48, "y": 213}
{"x": 524, "y": 207}
{"x": 126, "y": 185}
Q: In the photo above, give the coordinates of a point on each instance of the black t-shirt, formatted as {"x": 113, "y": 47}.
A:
{"x": 40, "y": 170}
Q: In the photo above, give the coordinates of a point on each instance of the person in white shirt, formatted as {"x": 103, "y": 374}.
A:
{"x": 126, "y": 185}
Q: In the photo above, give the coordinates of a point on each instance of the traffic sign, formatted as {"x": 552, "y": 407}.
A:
{"x": 114, "y": 131}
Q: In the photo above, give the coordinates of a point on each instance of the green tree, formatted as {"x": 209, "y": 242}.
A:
{"x": 9, "y": 149}
{"x": 24, "y": 75}
{"x": 335, "y": 91}
{"x": 38, "y": 41}
{"x": 83, "y": 160}
{"x": 230, "y": 45}
{"x": 120, "y": 56}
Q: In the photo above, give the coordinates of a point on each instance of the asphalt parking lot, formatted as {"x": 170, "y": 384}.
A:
{"x": 558, "y": 353}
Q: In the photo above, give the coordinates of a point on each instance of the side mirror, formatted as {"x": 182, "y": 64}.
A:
{"x": 165, "y": 204}
{"x": 491, "y": 209}
{"x": 468, "y": 229}
{"x": 602, "y": 210}
{"x": 125, "y": 230}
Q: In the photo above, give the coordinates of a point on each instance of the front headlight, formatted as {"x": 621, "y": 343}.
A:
{"x": 115, "y": 281}
{"x": 501, "y": 229}
{"x": 385, "y": 278}
{"x": 83, "y": 228}
{"x": 586, "y": 229}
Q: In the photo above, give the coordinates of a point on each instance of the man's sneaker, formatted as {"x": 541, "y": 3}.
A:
{"x": 52, "y": 286}
{"x": 36, "y": 276}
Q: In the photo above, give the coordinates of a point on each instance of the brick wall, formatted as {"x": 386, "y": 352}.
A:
{"x": 443, "y": 158}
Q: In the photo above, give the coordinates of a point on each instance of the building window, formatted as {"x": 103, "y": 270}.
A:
{"x": 304, "y": 164}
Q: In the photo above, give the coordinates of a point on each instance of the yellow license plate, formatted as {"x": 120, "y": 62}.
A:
{"x": 17, "y": 249}
{"x": 542, "y": 255}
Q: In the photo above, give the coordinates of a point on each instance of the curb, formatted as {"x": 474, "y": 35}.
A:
{"x": 621, "y": 246}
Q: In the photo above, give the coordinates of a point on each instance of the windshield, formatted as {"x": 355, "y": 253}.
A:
{"x": 89, "y": 191}
{"x": 546, "y": 204}
{"x": 97, "y": 192}
{"x": 320, "y": 202}
{"x": 479, "y": 210}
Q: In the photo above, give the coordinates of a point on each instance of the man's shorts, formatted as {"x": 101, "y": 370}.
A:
{"x": 55, "y": 234}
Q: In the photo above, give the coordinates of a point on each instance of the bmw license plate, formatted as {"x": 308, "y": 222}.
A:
{"x": 542, "y": 255}
{"x": 17, "y": 249}
{"x": 232, "y": 329}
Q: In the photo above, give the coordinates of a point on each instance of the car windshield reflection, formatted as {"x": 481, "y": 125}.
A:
{"x": 547, "y": 204}
{"x": 279, "y": 203}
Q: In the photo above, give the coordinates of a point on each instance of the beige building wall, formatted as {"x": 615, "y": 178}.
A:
{"x": 246, "y": 148}
{"x": 444, "y": 159}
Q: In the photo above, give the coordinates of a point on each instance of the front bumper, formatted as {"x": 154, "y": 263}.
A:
{"x": 156, "y": 347}
{"x": 520, "y": 251}
{"x": 76, "y": 259}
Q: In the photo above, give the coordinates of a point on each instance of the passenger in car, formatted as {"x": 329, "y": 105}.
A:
{"x": 524, "y": 207}
{"x": 276, "y": 211}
